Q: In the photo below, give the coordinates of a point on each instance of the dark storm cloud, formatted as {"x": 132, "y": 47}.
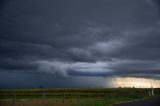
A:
{"x": 81, "y": 38}
{"x": 8, "y": 64}
{"x": 48, "y": 81}
{"x": 158, "y": 4}
{"x": 2, "y": 2}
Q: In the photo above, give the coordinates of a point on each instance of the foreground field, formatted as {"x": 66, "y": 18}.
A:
{"x": 67, "y": 102}
{"x": 36, "y": 102}
{"x": 71, "y": 97}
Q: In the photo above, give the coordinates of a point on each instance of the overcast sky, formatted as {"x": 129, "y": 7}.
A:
{"x": 78, "y": 43}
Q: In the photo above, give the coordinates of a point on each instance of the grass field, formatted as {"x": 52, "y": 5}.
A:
{"x": 71, "y": 97}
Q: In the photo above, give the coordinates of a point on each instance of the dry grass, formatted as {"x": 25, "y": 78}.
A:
{"x": 76, "y": 97}
{"x": 37, "y": 102}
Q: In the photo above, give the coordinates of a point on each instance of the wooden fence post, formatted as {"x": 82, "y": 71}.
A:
{"x": 78, "y": 98}
{"x": 44, "y": 97}
{"x": 63, "y": 98}
{"x": 14, "y": 100}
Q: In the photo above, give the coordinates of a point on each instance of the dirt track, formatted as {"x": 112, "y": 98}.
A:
{"x": 147, "y": 102}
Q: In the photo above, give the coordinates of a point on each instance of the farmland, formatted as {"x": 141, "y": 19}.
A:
{"x": 71, "y": 96}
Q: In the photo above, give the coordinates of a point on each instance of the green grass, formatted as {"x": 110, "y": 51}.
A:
{"x": 84, "y": 93}
{"x": 103, "y": 102}
{"x": 82, "y": 96}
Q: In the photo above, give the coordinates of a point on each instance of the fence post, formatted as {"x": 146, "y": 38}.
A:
{"x": 14, "y": 100}
{"x": 63, "y": 98}
{"x": 78, "y": 98}
{"x": 44, "y": 97}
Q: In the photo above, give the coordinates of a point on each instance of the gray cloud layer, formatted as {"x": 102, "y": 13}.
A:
{"x": 81, "y": 38}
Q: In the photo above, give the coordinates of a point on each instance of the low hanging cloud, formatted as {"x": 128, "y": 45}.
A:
{"x": 123, "y": 68}
{"x": 65, "y": 68}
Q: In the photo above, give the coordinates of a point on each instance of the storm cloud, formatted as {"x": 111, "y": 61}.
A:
{"x": 78, "y": 38}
